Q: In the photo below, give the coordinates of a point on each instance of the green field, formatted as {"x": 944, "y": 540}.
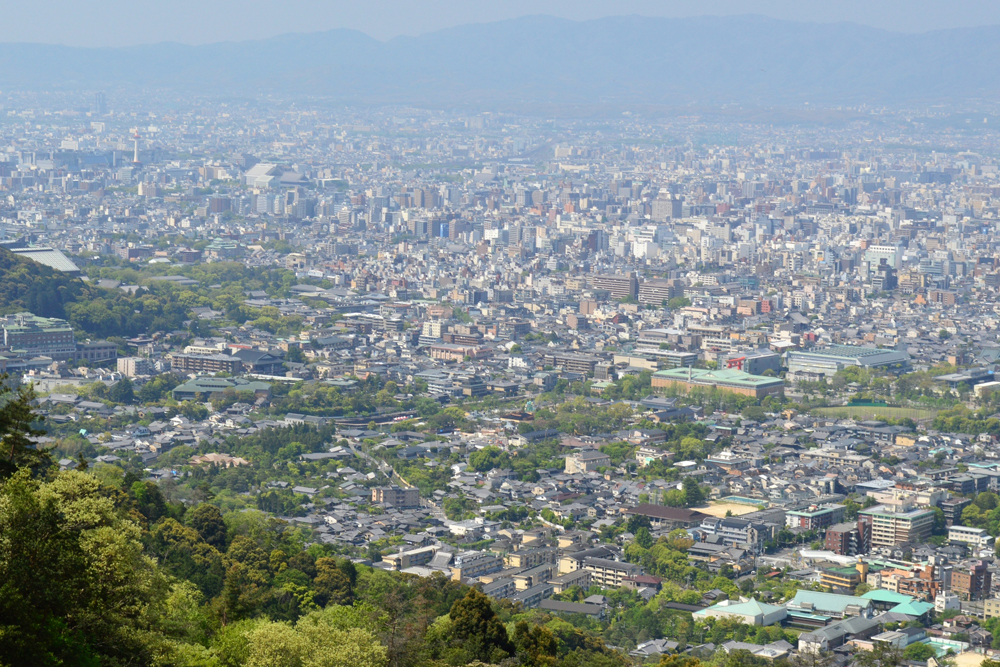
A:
{"x": 863, "y": 412}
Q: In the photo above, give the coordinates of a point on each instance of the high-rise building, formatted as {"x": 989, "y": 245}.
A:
{"x": 100, "y": 104}
{"x": 133, "y": 366}
{"x": 973, "y": 583}
{"x": 657, "y": 291}
{"x": 622, "y": 286}
{"x": 219, "y": 204}
{"x": 890, "y": 528}
{"x": 846, "y": 539}
{"x": 665, "y": 208}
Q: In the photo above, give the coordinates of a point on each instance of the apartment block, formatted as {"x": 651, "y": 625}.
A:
{"x": 396, "y": 496}
{"x": 891, "y": 528}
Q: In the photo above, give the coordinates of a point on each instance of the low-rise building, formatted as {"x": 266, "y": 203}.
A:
{"x": 814, "y": 518}
{"x": 736, "y": 381}
{"x": 202, "y": 388}
{"x": 610, "y": 573}
{"x": 206, "y": 363}
{"x": 475, "y": 566}
{"x": 751, "y": 612}
{"x": 846, "y": 539}
{"x": 976, "y": 538}
{"x": 586, "y": 461}
{"x": 411, "y": 558}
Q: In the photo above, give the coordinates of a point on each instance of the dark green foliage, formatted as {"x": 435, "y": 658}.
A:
{"x": 273, "y": 440}
{"x": 16, "y": 430}
{"x": 26, "y": 285}
{"x": 693, "y": 494}
{"x": 121, "y": 392}
{"x": 158, "y": 388}
{"x": 537, "y": 645}
{"x": 148, "y": 500}
{"x": 479, "y": 629}
{"x": 67, "y": 598}
{"x": 186, "y": 555}
{"x": 963, "y": 420}
{"x": 488, "y": 458}
{"x": 207, "y": 520}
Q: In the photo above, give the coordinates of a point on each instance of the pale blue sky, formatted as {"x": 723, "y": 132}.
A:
{"x": 128, "y": 22}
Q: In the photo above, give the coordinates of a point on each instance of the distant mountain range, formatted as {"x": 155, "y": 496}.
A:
{"x": 541, "y": 60}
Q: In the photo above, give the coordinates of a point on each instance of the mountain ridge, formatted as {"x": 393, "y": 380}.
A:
{"x": 619, "y": 60}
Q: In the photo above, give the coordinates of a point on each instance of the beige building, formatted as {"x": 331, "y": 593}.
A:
{"x": 586, "y": 461}
{"x": 889, "y": 528}
{"x": 610, "y": 573}
{"x": 133, "y": 366}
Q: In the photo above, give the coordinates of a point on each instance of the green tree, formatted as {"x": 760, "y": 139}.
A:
{"x": 918, "y": 651}
{"x": 207, "y": 520}
{"x": 149, "y": 500}
{"x": 317, "y": 640}
{"x": 754, "y": 412}
{"x": 477, "y": 626}
{"x": 75, "y": 585}
{"x": 333, "y": 585}
{"x": 643, "y": 538}
{"x": 488, "y": 458}
{"x": 536, "y": 645}
{"x": 17, "y": 430}
{"x": 693, "y": 494}
{"x": 183, "y": 553}
{"x": 122, "y": 392}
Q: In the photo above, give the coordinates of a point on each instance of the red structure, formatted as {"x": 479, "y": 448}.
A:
{"x": 736, "y": 363}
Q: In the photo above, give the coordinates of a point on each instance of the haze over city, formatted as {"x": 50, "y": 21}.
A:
{"x": 116, "y": 23}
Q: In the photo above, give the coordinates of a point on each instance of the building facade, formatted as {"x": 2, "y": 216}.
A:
{"x": 396, "y": 496}
{"x": 890, "y": 528}
{"x": 815, "y": 518}
{"x": 28, "y": 335}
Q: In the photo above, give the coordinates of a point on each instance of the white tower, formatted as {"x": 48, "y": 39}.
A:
{"x": 135, "y": 154}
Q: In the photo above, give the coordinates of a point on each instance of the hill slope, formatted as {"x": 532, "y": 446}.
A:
{"x": 27, "y": 285}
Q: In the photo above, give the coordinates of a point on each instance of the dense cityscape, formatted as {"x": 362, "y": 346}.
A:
{"x": 454, "y": 387}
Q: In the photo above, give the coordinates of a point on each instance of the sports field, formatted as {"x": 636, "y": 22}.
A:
{"x": 969, "y": 659}
{"x": 720, "y": 509}
{"x": 862, "y": 412}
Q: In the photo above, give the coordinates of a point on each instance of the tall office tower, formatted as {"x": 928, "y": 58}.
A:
{"x": 101, "y": 103}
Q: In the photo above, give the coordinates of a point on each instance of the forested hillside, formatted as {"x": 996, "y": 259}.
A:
{"x": 28, "y": 285}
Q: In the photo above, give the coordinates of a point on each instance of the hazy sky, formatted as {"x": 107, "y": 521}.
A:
{"x": 127, "y": 22}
